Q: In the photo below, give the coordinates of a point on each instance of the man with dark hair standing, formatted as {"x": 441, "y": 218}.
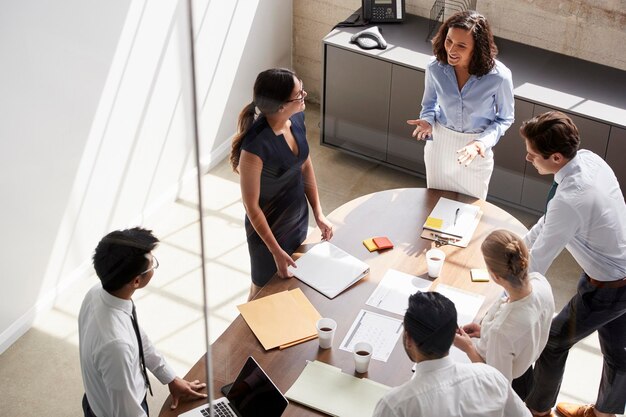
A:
{"x": 114, "y": 352}
{"x": 586, "y": 214}
{"x": 442, "y": 387}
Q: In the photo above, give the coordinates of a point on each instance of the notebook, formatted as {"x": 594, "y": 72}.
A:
{"x": 327, "y": 389}
{"x": 252, "y": 391}
{"x": 328, "y": 269}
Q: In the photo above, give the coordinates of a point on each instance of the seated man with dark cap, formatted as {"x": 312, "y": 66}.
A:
{"x": 114, "y": 352}
{"x": 440, "y": 386}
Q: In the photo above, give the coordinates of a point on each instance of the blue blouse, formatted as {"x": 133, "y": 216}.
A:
{"x": 484, "y": 105}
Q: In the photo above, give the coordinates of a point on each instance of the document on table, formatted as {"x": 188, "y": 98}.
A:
{"x": 393, "y": 291}
{"x": 382, "y": 332}
{"x": 325, "y": 388}
{"x": 467, "y": 303}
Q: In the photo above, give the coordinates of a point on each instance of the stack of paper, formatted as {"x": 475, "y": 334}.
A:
{"x": 325, "y": 388}
{"x": 453, "y": 221}
{"x": 328, "y": 269}
{"x": 281, "y": 320}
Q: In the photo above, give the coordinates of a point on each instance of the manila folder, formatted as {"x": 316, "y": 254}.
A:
{"x": 281, "y": 319}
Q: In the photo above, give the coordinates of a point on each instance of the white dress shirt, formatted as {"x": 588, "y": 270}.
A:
{"x": 513, "y": 335}
{"x": 109, "y": 356}
{"x": 587, "y": 216}
{"x": 443, "y": 387}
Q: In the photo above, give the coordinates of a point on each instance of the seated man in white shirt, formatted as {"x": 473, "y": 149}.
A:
{"x": 113, "y": 358}
{"x": 440, "y": 386}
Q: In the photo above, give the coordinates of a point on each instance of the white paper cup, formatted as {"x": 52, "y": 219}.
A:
{"x": 434, "y": 261}
{"x": 362, "y": 356}
{"x": 326, "y": 331}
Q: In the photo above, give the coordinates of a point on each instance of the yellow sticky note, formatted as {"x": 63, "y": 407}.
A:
{"x": 479, "y": 275}
{"x": 434, "y": 223}
{"x": 370, "y": 245}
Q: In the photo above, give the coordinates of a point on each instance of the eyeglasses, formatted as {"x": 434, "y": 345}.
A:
{"x": 155, "y": 265}
{"x": 301, "y": 94}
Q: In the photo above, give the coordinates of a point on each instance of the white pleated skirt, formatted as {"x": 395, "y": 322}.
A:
{"x": 443, "y": 172}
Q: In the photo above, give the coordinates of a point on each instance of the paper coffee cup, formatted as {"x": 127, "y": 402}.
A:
{"x": 434, "y": 262}
{"x": 362, "y": 356}
{"x": 326, "y": 332}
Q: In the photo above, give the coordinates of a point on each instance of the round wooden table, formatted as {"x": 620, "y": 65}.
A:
{"x": 398, "y": 214}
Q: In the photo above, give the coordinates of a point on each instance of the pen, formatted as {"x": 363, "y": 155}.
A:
{"x": 456, "y": 215}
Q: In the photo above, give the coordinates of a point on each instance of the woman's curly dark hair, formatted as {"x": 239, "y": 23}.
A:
{"x": 485, "y": 50}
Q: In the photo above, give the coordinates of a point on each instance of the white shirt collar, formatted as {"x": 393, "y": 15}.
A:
{"x": 117, "y": 303}
{"x": 433, "y": 365}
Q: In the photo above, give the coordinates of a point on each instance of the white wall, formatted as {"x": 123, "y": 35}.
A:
{"x": 95, "y": 132}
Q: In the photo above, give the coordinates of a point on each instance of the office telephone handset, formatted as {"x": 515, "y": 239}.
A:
{"x": 379, "y": 11}
{"x": 369, "y": 38}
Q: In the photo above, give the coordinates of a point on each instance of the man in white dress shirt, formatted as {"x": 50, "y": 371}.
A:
{"x": 442, "y": 387}
{"x": 585, "y": 214}
{"x": 113, "y": 358}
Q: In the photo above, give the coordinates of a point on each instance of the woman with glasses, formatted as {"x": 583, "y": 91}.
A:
{"x": 467, "y": 106}
{"x": 515, "y": 330}
{"x": 271, "y": 155}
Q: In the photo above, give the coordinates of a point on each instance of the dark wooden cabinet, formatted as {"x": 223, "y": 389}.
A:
{"x": 407, "y": 89}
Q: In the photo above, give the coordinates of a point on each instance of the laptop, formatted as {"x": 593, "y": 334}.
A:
{"x": 252, "y": 391}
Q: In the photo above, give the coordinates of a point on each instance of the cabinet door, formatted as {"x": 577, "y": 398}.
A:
{"x": 510, "y": 158}
{"x": 593, "y": 135}
{"x": 615, "y": 154}
{"x": 407, "y": 89}
{"x": 356, "y": 102}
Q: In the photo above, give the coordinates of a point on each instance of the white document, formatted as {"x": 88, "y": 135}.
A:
{"x": 382, "y": 332}
{"x": 325, "y": 388}
{"x": 393, "y": 291}
{"x": 457, "y": 219}
{"x": 467, "y": 303}
{"x": 328, "y": 269}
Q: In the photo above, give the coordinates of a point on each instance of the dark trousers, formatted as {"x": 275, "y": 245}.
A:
{"x": 523, "y": 384}
{"x": 591, "y": 309}
{"x": 88, "y": 413}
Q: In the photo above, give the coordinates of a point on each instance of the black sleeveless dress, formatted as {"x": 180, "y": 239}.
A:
{"x": 282, "y": 197}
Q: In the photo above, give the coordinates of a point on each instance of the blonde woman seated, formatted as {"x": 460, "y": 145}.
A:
{"x": 515, "y": 330}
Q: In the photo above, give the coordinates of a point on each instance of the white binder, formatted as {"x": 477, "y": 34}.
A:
{"x": 328, "y": 269}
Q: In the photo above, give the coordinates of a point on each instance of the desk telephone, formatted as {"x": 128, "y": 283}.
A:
{"x": 379, "y": 11}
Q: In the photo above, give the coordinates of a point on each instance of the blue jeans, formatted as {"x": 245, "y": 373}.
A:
{"x": 88, "y": 413}
{"x": 592, "y": 308}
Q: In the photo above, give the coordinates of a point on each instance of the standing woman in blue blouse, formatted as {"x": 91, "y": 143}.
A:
{"x": 467, "y": 106}
{"x": 271, "y": 155}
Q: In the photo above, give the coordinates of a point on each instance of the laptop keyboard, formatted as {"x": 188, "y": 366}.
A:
{"x": 219, "y": 410}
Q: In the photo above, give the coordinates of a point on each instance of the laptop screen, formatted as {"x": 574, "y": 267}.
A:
{"x": 253, "y": 391}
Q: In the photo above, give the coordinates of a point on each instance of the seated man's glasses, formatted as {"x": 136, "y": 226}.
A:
{"x": 155, "y": 265}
